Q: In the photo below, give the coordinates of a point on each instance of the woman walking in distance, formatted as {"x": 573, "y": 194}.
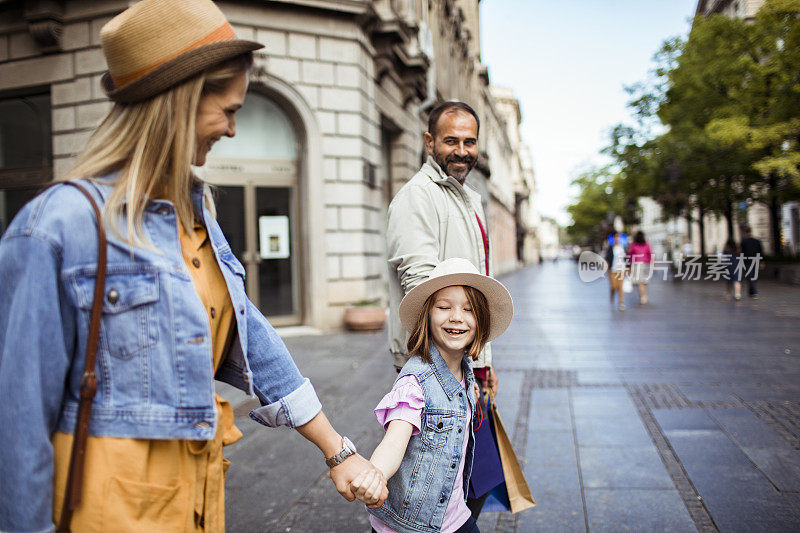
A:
{"x": 641, "y": 264}
{"x": 174, "y": 311}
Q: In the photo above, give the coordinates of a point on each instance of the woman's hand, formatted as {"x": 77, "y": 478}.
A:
{"x": 320, "y": 432}
{"x": 370, "y": 487}
{"x": 345, "y": 474}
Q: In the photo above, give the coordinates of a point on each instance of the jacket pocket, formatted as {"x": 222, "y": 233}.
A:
{"x": 128, "y": 325}
{"x": 132, "y": 506}
{"x": 436, "y": 429}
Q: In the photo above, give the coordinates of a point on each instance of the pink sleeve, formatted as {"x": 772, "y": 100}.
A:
{"x": 404, "y": 402}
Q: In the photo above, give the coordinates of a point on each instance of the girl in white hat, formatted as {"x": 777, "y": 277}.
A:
{"x": 426, "y": 454}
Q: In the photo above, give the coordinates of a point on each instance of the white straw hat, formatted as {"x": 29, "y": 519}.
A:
{"x": 458, "y": 271}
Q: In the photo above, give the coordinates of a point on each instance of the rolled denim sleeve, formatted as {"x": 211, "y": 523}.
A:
{"x": 287, "y": 398}
{"x": 36, "y": 342}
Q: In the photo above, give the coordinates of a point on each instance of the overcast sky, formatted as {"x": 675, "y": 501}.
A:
{"x": 568, "y": 61}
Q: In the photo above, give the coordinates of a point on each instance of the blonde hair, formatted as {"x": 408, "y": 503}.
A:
{"x": 152, "y": 145}
{"x": 419, "y": 343}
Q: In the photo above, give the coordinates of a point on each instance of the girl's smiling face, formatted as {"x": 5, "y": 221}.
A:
{"x": 452, "y": 321}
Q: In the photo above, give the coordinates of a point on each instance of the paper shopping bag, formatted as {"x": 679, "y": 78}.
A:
{"x": 519, "y": 495}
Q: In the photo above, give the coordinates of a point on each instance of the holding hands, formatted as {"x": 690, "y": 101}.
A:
{"x": 370, "y": 487}
{"x": 358, "y": 478}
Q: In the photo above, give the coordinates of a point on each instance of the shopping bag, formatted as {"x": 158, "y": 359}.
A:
{"x": 487, "y": 470}
{"x": 627, "y": 284}
{"x": 519, "y": 495}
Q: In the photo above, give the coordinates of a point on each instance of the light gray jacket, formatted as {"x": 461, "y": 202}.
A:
{"x": 431, "y": 218}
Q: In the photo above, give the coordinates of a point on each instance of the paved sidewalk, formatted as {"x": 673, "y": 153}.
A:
{"x": 681, "y": 415}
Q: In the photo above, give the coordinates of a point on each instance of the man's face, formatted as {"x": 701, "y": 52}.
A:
{"x": 455, "y": 145}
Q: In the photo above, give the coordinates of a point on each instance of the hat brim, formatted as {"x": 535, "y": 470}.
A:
{"x": 176, "y": 70}
{"x": 501, "y": 306}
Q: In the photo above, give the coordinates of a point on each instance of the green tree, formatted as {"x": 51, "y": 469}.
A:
{"x": 599, "y": 199}
{"x": 728, "y": 99}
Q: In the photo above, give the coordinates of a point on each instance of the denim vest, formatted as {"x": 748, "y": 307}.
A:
{"x": 154, "y": 363}
{"x": 420, "y": 489}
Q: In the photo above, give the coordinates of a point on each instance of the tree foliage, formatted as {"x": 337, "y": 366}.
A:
{"x": 718, "y": 120}
{"x": 599, "y": 198}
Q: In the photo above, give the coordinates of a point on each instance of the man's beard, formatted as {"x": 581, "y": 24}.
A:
{"x": 443, "y": 163}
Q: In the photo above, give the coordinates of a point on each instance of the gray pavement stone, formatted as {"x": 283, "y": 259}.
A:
{"x": 612, "y": 431}
{"x": 593, "y": 403}
{"x": 623, "y": 468}
{"x": 758, "y": 526}
{"x": 637, "y": 510}
{"x": 557, "y": 491}
{"x": 550, "y": 448}
{"x": 549, "y": 417}
{"x": 684, "y": 420}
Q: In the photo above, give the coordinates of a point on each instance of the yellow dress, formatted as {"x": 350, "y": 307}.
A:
{"x": 160, "y": 485}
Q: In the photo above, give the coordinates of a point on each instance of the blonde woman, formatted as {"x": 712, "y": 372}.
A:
{"x": 174, "y": 312}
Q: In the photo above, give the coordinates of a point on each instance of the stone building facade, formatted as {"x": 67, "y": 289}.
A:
{"x": 512, "y": 205}
{"x": 745, "y": 9}
{"x": 331, "y": 128}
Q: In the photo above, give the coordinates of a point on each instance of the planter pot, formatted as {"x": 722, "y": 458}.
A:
{"x": 364, "y": 318}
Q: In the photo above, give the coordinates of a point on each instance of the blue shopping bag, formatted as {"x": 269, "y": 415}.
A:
{"x": 487, "y": 470}
{"x": 497, "y": 500}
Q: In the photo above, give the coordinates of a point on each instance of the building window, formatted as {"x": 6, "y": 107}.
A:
{"x": 26, "y": 159}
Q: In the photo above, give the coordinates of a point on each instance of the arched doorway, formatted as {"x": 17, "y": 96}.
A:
{"x": 258, "y": 205}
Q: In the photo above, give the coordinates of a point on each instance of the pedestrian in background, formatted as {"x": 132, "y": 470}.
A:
{"x": 427, "y": 452}
{"x": 641, "y": 257}
{"x": 753, "y": 254}
{"x": 733, "y": 284}
{"x": 174, "y": 311}
{"x": 617, "y": 270}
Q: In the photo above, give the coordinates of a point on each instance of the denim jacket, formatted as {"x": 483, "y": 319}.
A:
{"x": 154, "y": 362}
{"x": 420, "y": 489}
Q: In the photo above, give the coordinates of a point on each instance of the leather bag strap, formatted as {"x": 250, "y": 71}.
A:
{"x": 72, "y": 495}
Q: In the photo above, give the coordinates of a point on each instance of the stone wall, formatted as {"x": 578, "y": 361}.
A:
{"x": 357, "y": 101}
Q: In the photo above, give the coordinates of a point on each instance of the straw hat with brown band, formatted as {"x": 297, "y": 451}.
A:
{"x": 458, "y": 271}
{"x": 157, "y": 44}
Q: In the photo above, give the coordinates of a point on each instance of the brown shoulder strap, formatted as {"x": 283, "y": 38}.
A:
{"x": 72, "y": 496}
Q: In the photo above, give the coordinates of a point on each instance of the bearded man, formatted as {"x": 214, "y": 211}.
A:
{"x": 434, "y": 217}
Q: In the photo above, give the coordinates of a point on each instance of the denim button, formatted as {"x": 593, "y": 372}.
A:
{"x": 439, "y": 425}
{"x": 113, "y": 296}
{"x": 196, "y": 262}
{"x": 441, "y": 501}
{"x": 460, "y": 394}
{"x": 459, "y": 430}
{"x": 453, "y": 465}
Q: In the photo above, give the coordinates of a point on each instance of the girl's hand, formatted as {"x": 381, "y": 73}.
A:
{"x": 370, "y": 487}
{"x": 491, "y": 381}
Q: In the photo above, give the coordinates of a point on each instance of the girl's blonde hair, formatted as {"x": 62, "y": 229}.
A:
{"x": 152, "y": 145}
{"x": 419, "y": 343}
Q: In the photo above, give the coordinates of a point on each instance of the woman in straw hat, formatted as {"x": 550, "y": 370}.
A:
{"x": 427, "y": 451}
{"x": 172, "y": 313}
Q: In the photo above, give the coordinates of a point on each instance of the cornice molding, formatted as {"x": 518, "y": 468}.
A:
{"x": 45, "y": 20}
